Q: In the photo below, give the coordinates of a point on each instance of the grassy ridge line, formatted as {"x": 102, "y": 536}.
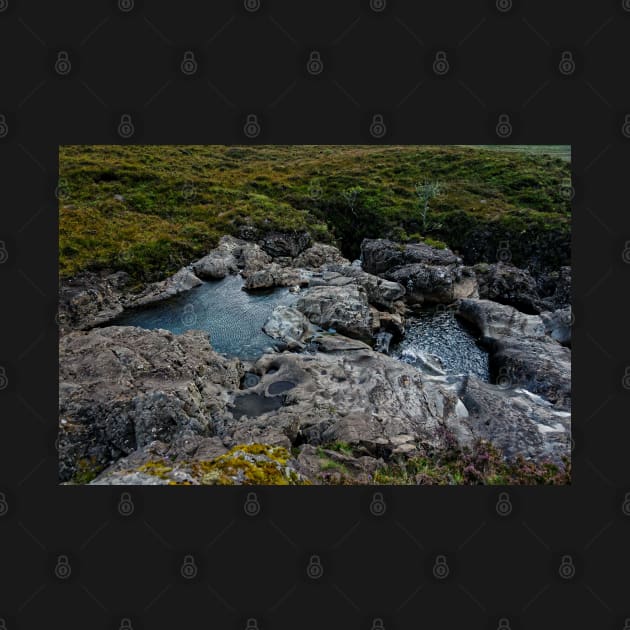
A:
{"x": 148, "y": 209}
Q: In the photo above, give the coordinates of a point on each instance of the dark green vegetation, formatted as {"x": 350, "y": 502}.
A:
{"x": 483, "y": 464}
{"x": 149, "y": 209}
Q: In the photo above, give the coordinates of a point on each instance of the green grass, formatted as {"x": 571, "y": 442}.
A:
{"x": 177, "y": 201}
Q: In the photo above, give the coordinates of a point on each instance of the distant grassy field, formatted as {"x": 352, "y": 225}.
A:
{"x": 562, "y": 151}
{"x": 149, "y": 209}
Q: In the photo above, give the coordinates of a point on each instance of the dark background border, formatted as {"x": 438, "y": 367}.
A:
{"x": 374, "y": 62}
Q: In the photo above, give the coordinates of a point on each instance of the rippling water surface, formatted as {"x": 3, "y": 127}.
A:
{"x": 436, "y": 341}
{"x": 233, "y": 318}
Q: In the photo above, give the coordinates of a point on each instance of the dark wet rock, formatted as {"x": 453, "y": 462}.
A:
{"x": 381, "y": 255}
{"x": 285, "y": 243}
{"x": 554, "y": 288}
{"x": 508, "y": 285}
{"x": 435, "y": 284}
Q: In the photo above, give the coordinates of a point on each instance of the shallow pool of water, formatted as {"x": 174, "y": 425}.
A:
{"x": 436, "y": 341}
{"x": 233, "y": 318}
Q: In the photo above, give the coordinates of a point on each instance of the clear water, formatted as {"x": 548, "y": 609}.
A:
{"x": 437, "y": 342}
{"x": 233, "y": 318}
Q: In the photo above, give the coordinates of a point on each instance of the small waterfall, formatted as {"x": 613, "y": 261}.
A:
{"x": 383, "y": 339}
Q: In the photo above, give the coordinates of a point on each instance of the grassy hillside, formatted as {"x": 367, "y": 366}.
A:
{"x": 149, "y": 209}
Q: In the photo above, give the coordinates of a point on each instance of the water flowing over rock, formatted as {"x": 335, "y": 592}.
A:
{"x": 521, "y": 354}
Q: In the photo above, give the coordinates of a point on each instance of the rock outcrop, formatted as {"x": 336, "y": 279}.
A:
{"x": 121, "y": 388}
{"x": 509, "y": 285}
{"x": 522, "y": 355}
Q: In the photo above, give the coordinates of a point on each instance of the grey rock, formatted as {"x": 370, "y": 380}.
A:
{"x": 516, "y": 421}
{"x": 180, "y": 282}
{"x": 521, "y": 354}
{"x": 558, "y": 325}
{"x": 320, "y": 254}
{"x": 286, "y": 323}
{"x": 122, "y": 388}
{"x": 345, "y": 309}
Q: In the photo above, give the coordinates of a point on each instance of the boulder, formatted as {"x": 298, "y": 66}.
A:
{"x": 273, "y": 276}
{"x": 320, "y": 254}
{"x": 435, "y": 284}
{"x": 216, "y": 265}
{"x": 507, "y": 284}
{"x": 382, "y": 293}
{"x": 343, "y": 308}
{"x": 285, "y": 243}
{"x": 180, "y": 282}
{"x": 381, "y": 255}
{"x": 558, "y": 325}
{"x": 286, "y": 323}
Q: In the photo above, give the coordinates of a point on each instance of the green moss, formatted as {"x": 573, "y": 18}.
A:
{"x": 158, "y": 468}
{"x": 178, "y": 201}
{"x": 86, "y": 471}
{"x": 249, "y": 464}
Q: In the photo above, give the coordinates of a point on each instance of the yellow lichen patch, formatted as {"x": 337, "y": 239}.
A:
{"x": 158, "y": 468}
{"x": 249, "y": 464}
